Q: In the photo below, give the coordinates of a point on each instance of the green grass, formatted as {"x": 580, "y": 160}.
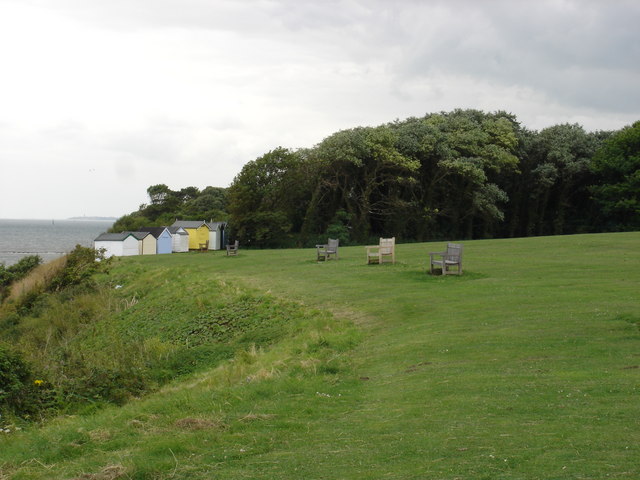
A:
{"x": 526, "y": 367}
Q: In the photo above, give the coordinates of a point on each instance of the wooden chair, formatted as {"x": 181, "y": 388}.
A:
{"x": 451, "y": 258}
{"x": 203, "y": 247}
{"x": 385, "y": 249}
{"x": 232, "y": 249}
{"x": 324, "y": 252}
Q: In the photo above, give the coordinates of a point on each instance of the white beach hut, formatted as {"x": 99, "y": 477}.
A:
{"x": 216, "y": 235}
{"x": 179, "y": 239}
{"x": 117, "y": 244}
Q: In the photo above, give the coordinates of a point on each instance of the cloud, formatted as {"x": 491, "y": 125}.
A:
{"x": 583, "y": 54}
{"x": 111, "y": 97}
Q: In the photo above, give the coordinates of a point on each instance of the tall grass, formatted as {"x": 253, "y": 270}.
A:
{"x": 37, "y": 280}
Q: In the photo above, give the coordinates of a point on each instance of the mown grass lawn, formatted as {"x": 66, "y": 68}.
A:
{"x": 525, "y": 367}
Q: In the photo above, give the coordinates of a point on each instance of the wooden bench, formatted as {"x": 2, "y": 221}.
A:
{"x": 451, "y": 258}
{"x": 233, "y": 249}
{"x": 324, "y": 252}
{"x": 203, "y": 247}
{"x": 385, "y": 249}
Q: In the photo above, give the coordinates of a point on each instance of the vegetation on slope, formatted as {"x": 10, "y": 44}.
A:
{"x": 524, "y": 367}
{"x": 78, "y": 345}
{"x": 14, "y": 273}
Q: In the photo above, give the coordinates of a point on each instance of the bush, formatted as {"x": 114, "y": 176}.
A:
{"x": 339, "y": 227}
{"x": 102, "y": 385}
{"x": 15, "y": 379}
{"x": 82, "y": 263}
{"x": 13, "y": 273}
{"x": 24, "y": 266}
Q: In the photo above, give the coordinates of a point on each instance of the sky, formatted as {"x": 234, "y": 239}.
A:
{"x": 101, "y": 99}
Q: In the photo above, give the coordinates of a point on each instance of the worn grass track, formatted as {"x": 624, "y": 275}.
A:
{"x": 525, "y": 367}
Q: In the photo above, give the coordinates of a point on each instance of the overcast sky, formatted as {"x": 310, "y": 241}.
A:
{"x": 99, "y": 99}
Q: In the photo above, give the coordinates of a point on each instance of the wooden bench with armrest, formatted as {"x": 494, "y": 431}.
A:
{"x": 233, "y": 249}
{"x": 445, "y": 260}
{"x": 324, "y": 252}
{"x": 386, "y": 249}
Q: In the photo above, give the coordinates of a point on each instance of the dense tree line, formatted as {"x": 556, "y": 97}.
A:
{"x": 166, "y": 205}
{"x": 459, "y": 174}
{"x": 449, "y": 175}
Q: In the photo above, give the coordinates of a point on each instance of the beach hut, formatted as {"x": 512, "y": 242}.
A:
{"x": 179, "y": 239}
{"x": 216, "y": 235}
{"x": 117, "y": 244}
{"x": 146, "y": 243}
{"x": 162, "y": 236}
{"x": 198, "y": 232}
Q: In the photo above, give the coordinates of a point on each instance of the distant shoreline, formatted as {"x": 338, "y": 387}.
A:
{"x": 74, "y": 219}
{"x": 47, "y": 238}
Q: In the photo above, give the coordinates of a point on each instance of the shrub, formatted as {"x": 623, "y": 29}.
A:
{"x": 101, "y": 385}
{"x": 13, "y": 273}
{"x": 82, "y": 262}
{"x": 339, "y": 227}
{"x": 15, "y": 376}
{"x": 25, "y": 265}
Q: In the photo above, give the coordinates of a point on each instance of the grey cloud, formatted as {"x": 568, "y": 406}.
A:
{"x": 583, "y": 54}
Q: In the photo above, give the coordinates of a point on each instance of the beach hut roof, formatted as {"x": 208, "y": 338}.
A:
{"x": 112, "y": 237}
{"x": 139, "y": 235}
{"x": 177, "y": 230}
{"x": 189, "y": 223}
{"x": 155, "y": 231}
{"x": 216, "y": 225}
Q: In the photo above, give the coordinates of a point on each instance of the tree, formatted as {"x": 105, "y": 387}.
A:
{"x": 556, "y": 176}
{"x": 131, "y": 222}
{"x": 165, "y": 205}
{"x": 158, "y": 193}
{"x": 616, "y": 166}
{"x": 361, "y": 172}
{"x": 164, "y": 202}
{"x": 209, "y": 204}
{"x": 461, "y": 155}
{"x": 267, "y": 199}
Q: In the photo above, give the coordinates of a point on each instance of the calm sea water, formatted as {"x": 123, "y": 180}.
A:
{"x": 48, "y": 238}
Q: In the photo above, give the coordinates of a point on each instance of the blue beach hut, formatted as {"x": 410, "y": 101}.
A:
{"x": 162, "y": 236}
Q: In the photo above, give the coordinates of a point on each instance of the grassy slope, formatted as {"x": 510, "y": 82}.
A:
{"x": 525, "y": 367}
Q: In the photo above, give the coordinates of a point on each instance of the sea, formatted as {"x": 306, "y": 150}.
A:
{"x": 48, "y": 238}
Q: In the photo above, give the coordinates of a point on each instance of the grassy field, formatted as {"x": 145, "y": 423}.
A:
{"x": 525, "y": 367}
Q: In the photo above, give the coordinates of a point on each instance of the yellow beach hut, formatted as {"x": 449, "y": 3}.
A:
{"x": 198, "y": 232}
